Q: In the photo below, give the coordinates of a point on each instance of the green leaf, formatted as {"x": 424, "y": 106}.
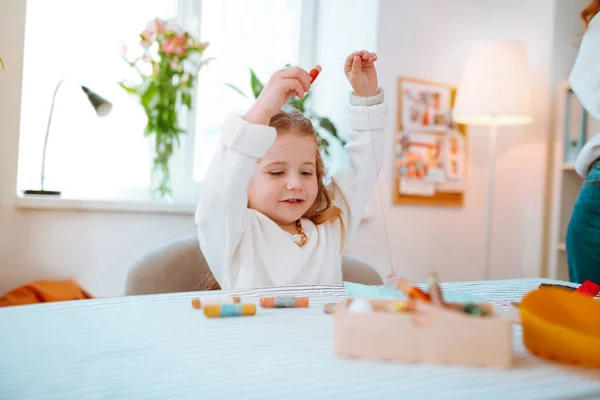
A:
{"x": 305, "y": 98}
{"x": 129, "y": 89}
{"x": 255, "y": 84}
{"x": 326, "y": 124}
{"x": 148, "y": 97}
{"x": 295, "y": 102}
{"x": 149, "y": 129}
{"x": 324, "y": 145}
{"x": 236, "y": 89}
{"x": 186, "y": 99}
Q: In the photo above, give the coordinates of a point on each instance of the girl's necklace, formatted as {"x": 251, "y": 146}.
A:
{"x": 303, "y": 237}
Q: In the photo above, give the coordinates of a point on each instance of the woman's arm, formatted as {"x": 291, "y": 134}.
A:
{"x": 585, "y": 75}
{"x": 585, "y": 82}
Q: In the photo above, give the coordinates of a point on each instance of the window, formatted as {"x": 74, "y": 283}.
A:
{"x": 260, "y": 34}
{"x": 87, "y": 156}
{"x": 109, "y": 158}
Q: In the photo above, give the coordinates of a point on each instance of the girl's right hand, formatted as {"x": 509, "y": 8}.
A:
{"x": 283, "y": 85}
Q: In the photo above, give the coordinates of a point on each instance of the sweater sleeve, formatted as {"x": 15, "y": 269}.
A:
{"x": 585, "y": 82}
{"x": 584, "y": 78}
{"x": 222, "y": 214}
{"x": 589, "y": 154}
{"x": 353, "y": 184}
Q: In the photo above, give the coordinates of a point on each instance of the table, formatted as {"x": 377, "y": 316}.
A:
{"x": 159, "y": 347}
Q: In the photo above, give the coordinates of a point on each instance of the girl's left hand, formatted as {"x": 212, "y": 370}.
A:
{"x": 360, "y": 71}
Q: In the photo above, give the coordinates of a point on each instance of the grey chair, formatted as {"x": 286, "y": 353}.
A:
{"x": 179, "y": 266}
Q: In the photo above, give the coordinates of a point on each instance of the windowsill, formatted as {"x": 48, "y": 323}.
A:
{"x": 120, "y": 206}
{"x": 123, "y": 206}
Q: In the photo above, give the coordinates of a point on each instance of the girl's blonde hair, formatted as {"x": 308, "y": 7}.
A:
{"x": 590, "y": 12}
{"x": 286, "y": 122}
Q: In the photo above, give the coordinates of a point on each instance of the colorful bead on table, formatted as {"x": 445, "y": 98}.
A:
{"x": 413, "y": 292}
{"x": 208, "y": 300}
{"x": 283, "y": 302}
{"x": 360, "y": 306}
{"x": 402, "y": 306}
{"x": 229, "y": 310}
{"x": 435, "y": 292}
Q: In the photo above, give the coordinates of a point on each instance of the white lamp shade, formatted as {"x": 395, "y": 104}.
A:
{"x": 495, "y": 86}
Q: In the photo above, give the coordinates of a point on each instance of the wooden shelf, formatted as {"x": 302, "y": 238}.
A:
{"x": 566, "y": 182}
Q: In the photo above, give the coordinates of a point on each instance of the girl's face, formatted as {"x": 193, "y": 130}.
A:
{"x": 284, "y": 184}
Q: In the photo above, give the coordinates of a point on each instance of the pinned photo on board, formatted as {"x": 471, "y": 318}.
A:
{"x": 454, "y": 156}
{"x": 420, "y": 155}
{"x": 425, "y": 107}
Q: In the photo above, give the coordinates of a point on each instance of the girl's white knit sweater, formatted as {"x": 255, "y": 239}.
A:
{"x": 243, "y": 247}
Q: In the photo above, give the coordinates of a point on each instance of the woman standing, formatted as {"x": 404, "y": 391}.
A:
{"x": 583, "y": 234}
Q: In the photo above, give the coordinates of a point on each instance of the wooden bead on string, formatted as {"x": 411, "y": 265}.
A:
{"x": 314, "y": 73}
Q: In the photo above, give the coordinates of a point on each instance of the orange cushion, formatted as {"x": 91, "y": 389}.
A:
{"x": 44, "y": 291}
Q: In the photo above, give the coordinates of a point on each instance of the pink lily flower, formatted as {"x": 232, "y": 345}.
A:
{"x": 159, "y": 26}
{"x": 146, "y": 38}
{"x": 122, "y": 49}
{"x": 175, "y": 45}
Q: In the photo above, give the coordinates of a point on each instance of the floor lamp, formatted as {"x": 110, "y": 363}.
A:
{"x": 495, "y": 90}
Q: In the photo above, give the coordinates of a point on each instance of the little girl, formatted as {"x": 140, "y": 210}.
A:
{"x": 583, "y": 234}
{"x": 265, "y": 216}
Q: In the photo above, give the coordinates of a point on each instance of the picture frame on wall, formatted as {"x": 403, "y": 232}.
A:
{"x": 430, "y": 150}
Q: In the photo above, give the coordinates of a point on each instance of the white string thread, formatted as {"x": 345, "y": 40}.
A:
{"x": 391, "y": 279}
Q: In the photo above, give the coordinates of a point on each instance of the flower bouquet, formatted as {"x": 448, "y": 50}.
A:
{"x": 167, "y": 65}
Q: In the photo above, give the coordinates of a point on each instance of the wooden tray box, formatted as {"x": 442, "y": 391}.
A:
{"x": 434, "y": 335}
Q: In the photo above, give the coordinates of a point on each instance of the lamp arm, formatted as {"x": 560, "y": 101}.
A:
{"x": 48, "y": 132}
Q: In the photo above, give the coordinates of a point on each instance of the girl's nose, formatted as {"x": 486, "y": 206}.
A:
{"x": 293, "y": 183}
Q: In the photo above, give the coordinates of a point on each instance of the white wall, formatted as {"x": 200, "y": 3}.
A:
{"x": 429, "y": 39}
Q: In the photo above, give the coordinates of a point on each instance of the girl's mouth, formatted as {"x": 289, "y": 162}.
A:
{"x": 293, "y": 202}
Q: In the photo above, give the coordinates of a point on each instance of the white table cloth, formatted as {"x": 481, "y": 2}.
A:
{"x": 159, "y": 347}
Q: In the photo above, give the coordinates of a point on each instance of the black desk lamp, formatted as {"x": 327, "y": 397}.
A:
{"x": 102, "y": 107}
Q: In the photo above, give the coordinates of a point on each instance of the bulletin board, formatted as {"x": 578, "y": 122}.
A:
{"x": 430, "y": 150}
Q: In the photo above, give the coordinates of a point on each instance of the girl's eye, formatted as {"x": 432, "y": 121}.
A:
{"x": 307, "y": 173}
{"x": 276, "y": 173}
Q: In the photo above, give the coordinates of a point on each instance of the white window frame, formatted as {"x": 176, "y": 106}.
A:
{"x": 182, "y": 163}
